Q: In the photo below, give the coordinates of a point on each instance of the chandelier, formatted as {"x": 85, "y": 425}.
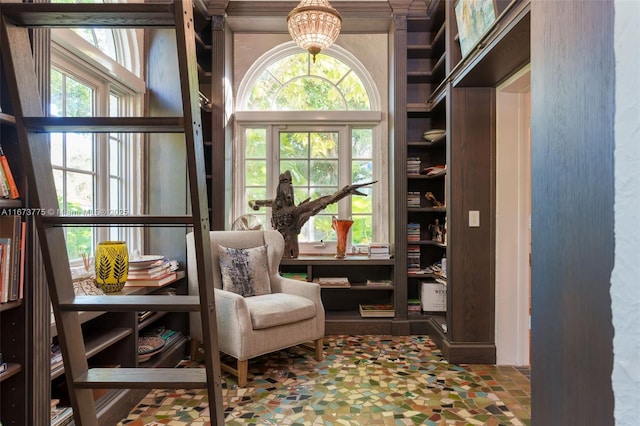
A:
{"x": 314, "y": 25}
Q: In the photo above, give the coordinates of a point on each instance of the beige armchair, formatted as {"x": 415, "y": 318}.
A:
{"x": 248, "y": 327}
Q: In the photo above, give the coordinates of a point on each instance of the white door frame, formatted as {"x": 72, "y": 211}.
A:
{"x": 513, "y": 220}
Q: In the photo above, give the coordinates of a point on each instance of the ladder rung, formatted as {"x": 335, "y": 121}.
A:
{"x": 143, "y": 378}
{"x": 105, "y": 124}
{"x": 115, "y": 219}
{"x": 132, "y": 303}
{"x": 112, "y": 15}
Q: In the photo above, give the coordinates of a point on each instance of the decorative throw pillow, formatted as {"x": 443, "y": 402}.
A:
{"x": 245, "y": 271}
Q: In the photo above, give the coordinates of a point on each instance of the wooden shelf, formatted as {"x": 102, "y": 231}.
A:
{"x": 427, "y": 209}
{"x": 360, "y": 287}
{"x": 426, "y": 177}
{"x": 143, "y": 378}
{"x": 10, "y": 305}
{"x": 12, "y": 370}
{"x": 114, "y": 15}
{"x": 98, "y": 343}
{"x": 427, "y": 243}
{"x": 104, "y": 124}
{"x": 151, "y": 319}
{"x": 330, "y": 260}
{"x": 132, "y": 303}
{"x": 7, "y": 118}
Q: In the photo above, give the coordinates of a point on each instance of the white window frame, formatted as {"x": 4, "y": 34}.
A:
{"x": 275, "y": 121}
{"x": 73, "y": 55}
{"x": 272, "y": 120}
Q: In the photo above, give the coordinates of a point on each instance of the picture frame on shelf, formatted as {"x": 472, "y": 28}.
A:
{"x": 474, "y": 18}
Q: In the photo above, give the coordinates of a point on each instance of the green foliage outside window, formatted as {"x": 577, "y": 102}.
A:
{"x": 295, "y": 83}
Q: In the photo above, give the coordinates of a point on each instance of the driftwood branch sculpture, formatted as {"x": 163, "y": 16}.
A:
{"x": 289, "y": 218}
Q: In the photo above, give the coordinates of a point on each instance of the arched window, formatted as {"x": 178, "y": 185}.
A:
{"x": 296, "y": 83}
{"x": 321, "y": 122}
{"x": 95, "y": 72}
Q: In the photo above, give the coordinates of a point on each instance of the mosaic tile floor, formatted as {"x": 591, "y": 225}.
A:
{"x": 363, "y": 380}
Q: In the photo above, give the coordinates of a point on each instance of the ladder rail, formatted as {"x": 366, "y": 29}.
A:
{"x": 185, "y": 30}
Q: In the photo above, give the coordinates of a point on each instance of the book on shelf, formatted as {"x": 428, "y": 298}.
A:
{"x": 333, "y": 282}
{"x": 377, "y": 310}
{"x": 8, "y": 182}
{"x": 147, "y": 274}
{"x": 10, "y": 262}
{"x": 380, "y": 251}
{"x": 300, "y": 276}
{"x": 379, "y": 283}
{"x": 152, "y": 282}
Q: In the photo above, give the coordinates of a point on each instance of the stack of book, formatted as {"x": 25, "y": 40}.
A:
{"x": 413, "y": 199}
{"x": 413, "y": 258}
{"x": 378, "y": 310}
{"x": 152, "y": 274}
{"x": 414, "y": 306}
{"x": 413, "y": 231}
{"x": 379, "y": 283}
{"x": 413, "y": 165}
{"x": 333, "y": 282}
{"x": 379, "y": 251}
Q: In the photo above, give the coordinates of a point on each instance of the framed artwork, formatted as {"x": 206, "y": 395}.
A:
{"x": 474, "y": 17}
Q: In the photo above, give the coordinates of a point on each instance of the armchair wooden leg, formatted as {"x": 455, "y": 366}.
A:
{"x": 319, "y": 348}
{"x": 243, "y": 372}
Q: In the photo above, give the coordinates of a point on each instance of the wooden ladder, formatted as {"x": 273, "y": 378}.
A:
{"x": 32, "y": 127}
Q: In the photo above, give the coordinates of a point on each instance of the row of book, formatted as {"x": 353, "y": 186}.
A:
{"x": 8, "y": 188}
{"x": 12, "y": 247}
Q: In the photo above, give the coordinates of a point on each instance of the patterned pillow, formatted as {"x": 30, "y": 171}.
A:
{"x": 245, "y": 271}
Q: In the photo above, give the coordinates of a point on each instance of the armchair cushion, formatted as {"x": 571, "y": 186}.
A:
{"x": 245, "y": 271}
{"x": 271, "y": 310}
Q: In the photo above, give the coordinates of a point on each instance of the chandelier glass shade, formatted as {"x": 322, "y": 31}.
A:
{"x": 314, "y": 25}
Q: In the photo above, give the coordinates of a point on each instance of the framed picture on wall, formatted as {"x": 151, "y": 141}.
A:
{"x": 474, "y": 17}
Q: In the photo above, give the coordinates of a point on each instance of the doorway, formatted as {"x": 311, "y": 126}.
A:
{"x": 513, "y": 220}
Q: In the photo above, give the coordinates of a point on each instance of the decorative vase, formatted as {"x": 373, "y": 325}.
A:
{"x": 112, "y": 265}
{"x": 342, "y": 227}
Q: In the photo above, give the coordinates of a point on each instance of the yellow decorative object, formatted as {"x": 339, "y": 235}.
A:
{"x": 112, "y": 265}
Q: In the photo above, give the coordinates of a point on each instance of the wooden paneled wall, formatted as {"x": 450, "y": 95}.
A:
{"x": 572, "y": 145}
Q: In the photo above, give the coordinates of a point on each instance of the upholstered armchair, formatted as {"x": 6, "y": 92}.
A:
{"x": 291, "y": 313}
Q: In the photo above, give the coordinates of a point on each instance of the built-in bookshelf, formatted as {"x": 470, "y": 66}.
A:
{"x": 370, "y": 281}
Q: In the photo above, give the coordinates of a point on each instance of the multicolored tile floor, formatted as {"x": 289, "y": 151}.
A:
{"x": 363, "y": 380}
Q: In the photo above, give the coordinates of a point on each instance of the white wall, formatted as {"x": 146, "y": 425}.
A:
{"x": 625, "y": 285}
{"x": 513, "y": 214}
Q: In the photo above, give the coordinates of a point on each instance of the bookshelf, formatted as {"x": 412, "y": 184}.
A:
{"x": 342, "y": 304}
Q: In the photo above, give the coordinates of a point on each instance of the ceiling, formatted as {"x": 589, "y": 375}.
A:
{"x": 358, "y": 16}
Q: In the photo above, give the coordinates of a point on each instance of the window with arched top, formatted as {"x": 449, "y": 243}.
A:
{"x": 95, "y": 72}
{"x": 296, "y": 83}
{"x": 320, "y": 121}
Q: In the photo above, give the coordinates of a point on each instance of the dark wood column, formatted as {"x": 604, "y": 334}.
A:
{"x": 572, "y": 145}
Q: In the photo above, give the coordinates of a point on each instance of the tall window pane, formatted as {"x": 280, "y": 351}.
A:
{"x": 73, "y": 159}
{"x": 362, "y": 171}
